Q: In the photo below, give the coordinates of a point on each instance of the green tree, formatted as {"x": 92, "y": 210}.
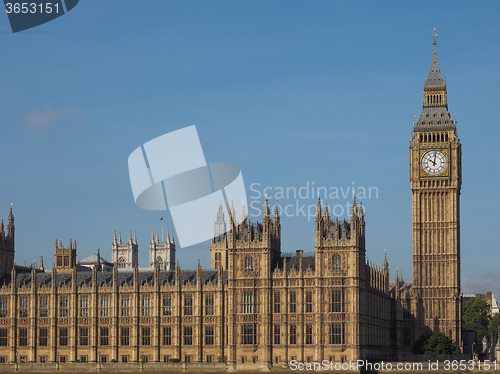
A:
{"x": 476, "y": 316}
{"x": 439, "y": 344}
{"x": 493, "y": 328}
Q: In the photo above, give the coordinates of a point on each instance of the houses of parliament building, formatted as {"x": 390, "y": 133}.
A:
{"x": 256, "y": 306}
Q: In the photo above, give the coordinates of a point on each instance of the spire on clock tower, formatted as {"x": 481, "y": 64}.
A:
{"x": 434, "y": 114}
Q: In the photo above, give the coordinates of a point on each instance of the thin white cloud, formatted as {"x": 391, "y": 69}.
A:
{"x": 488, "y": 282}
{"x": 39, "y": 120}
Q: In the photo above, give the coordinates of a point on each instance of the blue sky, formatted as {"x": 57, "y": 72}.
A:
{"x": 293, "y": 92}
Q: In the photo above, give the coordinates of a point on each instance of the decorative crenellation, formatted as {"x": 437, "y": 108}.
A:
{"x": 162, "y": 253}
{"x": 125, "y": 255}
{"x": 331, "y": 233}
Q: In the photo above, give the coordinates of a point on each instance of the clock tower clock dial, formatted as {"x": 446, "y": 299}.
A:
{"x": 435, "y": 177}
{"x": 434, "y": 162}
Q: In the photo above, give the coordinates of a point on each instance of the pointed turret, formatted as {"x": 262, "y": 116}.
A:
{"x": 152, "y": 236}
{"x": 354, "y": 208}
{"x": 434, "y": 114}
{"x": 10, "y": 225}
{"x": 135, "y": 237}
{"x": 2, "y": 233}
{"x": 41, "y": 264}
{"x": 220, "y": 224}
{"x": 130, "y": 237}
{"x": 168, "y": 236}
{"x": 326, "y": 215}
{"x": 115, "y": 242}
{"x": 120, "y": 238}
{"x": 276, "y": 213}
{"x": 243, "y": 214}
{"x": 435, "y": 79}
{"x": 233, "y": 214}
{"x": 318, "y": 209}
{"x": 386, "y": 264}
{"x": 267, "y": 211}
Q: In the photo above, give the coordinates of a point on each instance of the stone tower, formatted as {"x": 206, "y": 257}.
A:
{"x": 125, "y": 255}
{"x": 435, "y": 177}
{"x": 220, "y": 224}
{"x": 7, "y": 246}
{"x": 162, "y": 254}
{"x": 65, "y": 257}
{"x": 253, "y": 251}
{"x": 218, "y": 248}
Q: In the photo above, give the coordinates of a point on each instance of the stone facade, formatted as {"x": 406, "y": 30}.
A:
{"x": 257, "y": 306}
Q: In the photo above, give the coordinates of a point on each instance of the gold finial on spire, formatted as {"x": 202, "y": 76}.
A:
{"x": 434, "y": 36}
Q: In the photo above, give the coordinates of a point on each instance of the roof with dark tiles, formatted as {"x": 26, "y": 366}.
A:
{"x": 146, "y": 277}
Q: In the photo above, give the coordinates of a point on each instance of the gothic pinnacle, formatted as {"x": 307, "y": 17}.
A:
{"x": 276, "y": 212}
{"x": 267, "y": 211}
{"x": 318, "y": 209}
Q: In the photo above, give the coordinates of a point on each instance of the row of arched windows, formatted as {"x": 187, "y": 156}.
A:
{"x": 441, "y": 137}
{"x": 435, "y": 99}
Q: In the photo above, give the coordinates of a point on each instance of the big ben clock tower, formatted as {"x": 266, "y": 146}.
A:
{"x": 435, "y": 176}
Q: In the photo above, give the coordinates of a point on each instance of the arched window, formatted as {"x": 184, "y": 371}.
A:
{"x": 122, "y": 263}
{"x": 336, "y": 262}
{"x": 159, "y": 262}
{"x": 248, "y": 263}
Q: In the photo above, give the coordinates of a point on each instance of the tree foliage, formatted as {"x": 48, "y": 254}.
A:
{"x": 493, "y": 328}
{"x": 439, "y": 344}
{"x": 418, "y": 347}
{"x": 476, "y": 316}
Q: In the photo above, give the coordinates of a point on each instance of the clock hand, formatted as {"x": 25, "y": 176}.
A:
{"x": 435, "y": 154}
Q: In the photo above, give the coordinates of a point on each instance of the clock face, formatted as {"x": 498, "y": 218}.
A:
{"x": 434, "y": 162}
